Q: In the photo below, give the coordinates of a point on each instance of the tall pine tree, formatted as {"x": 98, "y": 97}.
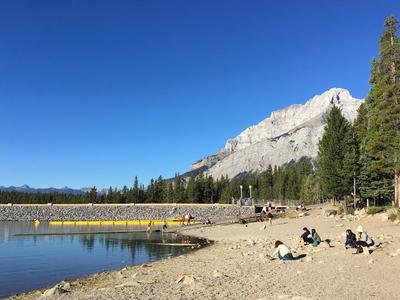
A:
{"x": 333, "y": 148}
{"x": 380, "y": 148}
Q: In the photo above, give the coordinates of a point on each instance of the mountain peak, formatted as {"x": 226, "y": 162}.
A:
{"x": 288, "y": 134}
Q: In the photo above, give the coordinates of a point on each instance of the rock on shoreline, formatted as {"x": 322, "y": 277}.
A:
{"x": 118, "y": 212}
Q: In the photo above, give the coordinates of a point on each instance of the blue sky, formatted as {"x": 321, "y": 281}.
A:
{"x": 96, "y": 92}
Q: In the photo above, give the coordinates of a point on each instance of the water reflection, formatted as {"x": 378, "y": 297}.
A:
{"x": 33, "y": 261}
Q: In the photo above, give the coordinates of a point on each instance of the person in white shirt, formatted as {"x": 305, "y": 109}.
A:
{"x": 282, "y": 251}
{"x": 363, "y": 240}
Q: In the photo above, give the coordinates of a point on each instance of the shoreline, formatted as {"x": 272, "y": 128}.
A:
{"x": 236, "y": 266}
{"x": 40, "y": 293}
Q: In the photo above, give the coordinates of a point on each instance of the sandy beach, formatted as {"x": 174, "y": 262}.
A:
{"x": 237, "y": 266}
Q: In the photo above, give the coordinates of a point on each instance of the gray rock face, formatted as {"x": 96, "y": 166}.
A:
{"x": 288, "y": 134}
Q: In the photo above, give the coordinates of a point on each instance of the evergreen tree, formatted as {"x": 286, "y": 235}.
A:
{"x": 310, "y": 190}
{"x": 332, "y": 150}
{"x": 380, "y": 148}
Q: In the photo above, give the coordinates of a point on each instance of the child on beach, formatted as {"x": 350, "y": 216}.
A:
{"x": 282, "y": 251}
{"x": 315, "y": 237}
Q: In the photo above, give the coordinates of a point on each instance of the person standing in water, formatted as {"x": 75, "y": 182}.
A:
{"x": 165, "y": 227}
{"x": 149, "y": 230}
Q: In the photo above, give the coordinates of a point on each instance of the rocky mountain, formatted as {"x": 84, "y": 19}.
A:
{"x": 288, "y": 134}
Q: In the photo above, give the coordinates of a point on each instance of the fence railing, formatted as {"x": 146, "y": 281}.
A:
{"x": 254, "y": 201}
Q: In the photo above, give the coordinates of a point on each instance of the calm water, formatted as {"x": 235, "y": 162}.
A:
{"x": 31, "y": 262}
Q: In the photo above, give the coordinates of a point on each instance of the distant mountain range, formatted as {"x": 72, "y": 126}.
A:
{"x": 27, "y": 189}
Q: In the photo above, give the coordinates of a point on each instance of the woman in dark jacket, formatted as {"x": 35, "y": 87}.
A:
{"x": 350, "y": 239}
{"x": 306, "y": 236}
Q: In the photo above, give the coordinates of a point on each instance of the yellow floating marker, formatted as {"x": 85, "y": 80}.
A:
{"x": 36, "y": 223}
{"x": 173, "y": 222}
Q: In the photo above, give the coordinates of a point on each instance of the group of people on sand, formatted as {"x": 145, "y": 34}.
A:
{"x": 360, "y": 241}
{"x": 312, "y": 237}
{"x": 308, "y": 237}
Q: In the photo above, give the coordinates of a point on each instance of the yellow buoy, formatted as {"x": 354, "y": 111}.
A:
{"x": 36, "y": 222}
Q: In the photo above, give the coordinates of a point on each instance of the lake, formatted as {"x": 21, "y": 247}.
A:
{"x": 35, "y": 261}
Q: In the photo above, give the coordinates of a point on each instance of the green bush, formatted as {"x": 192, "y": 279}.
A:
{"x": 393, "y": 216}
{"x": 376, "y": 209}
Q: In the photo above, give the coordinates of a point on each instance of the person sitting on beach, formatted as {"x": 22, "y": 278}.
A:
{"x": 306, "y": 236}
{"x": 315, "y": 237}
{"x": 350, "y": 239}
{"x": 300, "y": 207}
{"x": 282, "y": 251}
{"x": 362, "y": 238}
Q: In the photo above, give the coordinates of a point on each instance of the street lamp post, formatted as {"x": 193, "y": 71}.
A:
{"x": 252, "y": 201}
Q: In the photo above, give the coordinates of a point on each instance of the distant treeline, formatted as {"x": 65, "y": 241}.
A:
{"x": 289, "y": 182}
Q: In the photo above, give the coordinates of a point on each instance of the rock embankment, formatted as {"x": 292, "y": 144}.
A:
{"x": 118, "y": 212}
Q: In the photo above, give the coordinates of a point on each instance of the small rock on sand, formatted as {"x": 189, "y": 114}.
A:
{"x": 217, "y": 274}
{"x": 251, "y": 243}
{"x": 56, "y": 290}
{"x": 186, "y": 279}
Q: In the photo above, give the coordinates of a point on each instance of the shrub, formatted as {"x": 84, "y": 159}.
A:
{"x": 376, "y": 209}
{"x": 393, "y": 216}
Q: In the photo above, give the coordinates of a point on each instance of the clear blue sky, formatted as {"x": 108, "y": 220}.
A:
{"x": 96, "y": 92}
